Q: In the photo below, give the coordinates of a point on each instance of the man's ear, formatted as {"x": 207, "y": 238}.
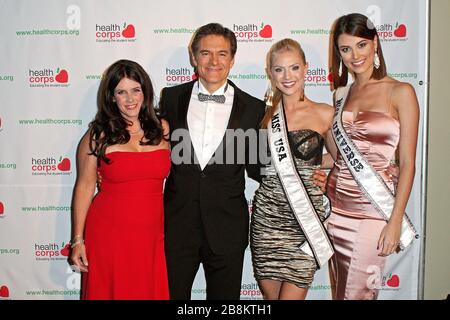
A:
{"x": 193, "y": 59}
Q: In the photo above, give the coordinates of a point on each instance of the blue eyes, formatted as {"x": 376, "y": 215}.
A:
{"x": 294, "y": 68}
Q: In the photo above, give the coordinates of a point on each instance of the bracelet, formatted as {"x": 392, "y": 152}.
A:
{"x": 74, "y": 239}
{"x": 74, "y": 244}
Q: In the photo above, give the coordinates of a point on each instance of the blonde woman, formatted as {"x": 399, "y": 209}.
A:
{"x": 288, "y": 240}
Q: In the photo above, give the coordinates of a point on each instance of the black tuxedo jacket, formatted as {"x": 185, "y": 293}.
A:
{"x": 212, "y": 199}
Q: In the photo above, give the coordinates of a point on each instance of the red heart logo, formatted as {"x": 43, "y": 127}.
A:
{"x": 394, "y": 281}
{"x": 330, "y": 77}
{"x": 4, "y": 292}
{"x": 64, "y": 165}
{"x": 266, "y": 32}
{"x": 400, "y": 32}
{"x": 62, "y": 76}
{"x": 2, "y": 208}
{"x": 66, "y": 250}
{"x": 194, "y": 76}
{"x": 129, "y": 31}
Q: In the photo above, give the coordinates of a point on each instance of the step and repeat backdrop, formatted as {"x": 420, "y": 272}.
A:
{"x": 52, "y": 57}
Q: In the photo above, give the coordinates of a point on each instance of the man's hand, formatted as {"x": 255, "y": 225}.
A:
{"x": 320, "y": 179}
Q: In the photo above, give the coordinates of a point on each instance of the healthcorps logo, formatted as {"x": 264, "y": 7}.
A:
{"x": 317, "y": 76}
{"x": 376, "y": 280}
{"x": 51, "y": 251}
{"x": 392, "y": 32}
{"x": 392, "y": 281}
{"x": 4, "y": 292}
{"x": 115, "y": 33}
{"x": 175, "y": 76}
{"x": 253, "y": 33}
{"x": 50, "y": 166}
{"x": 48, "y": 78}
{"x": 250, "y": 291}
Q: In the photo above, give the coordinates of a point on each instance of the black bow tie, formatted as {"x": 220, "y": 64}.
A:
{"x": 219, "y": 98}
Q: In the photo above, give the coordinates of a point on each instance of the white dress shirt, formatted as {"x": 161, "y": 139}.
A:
{"x": 208, "y": 121}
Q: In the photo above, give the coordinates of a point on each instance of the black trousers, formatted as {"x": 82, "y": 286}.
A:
{"x": 223, "y": 272}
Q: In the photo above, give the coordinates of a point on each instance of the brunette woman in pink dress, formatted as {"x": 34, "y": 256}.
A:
{"x": 376, "y": 117}
{"x": 118, "y": 235}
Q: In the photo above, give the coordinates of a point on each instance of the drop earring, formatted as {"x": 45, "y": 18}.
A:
{"x": 376, "y": 60}
{"x": 268, "y": 96}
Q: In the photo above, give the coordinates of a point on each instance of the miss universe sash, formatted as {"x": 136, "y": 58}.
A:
{"x": 368, "y": 179}
{"x": 318, "y": 244}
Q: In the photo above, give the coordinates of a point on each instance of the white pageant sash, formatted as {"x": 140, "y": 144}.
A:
{"x": 318, "y": 244}
{"x": 368, "y": 179}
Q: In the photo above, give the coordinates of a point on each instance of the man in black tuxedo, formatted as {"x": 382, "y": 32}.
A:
{"x": 206, "y": 213}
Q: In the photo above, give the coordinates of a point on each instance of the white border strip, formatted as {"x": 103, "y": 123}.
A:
{"x": 424, "y": 171}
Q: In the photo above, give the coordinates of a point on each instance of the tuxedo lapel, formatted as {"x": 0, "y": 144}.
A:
{"x": 237, "y": 110}
{"x": 234, "y": 122}
{"x": 183, "y": 108}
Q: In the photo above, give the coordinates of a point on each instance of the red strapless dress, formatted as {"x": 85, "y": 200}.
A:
{"x": 124, "y": 232}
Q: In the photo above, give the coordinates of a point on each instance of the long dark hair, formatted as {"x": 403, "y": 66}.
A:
{"x": 109, "y": 126}
{"x": 354, "y": 24}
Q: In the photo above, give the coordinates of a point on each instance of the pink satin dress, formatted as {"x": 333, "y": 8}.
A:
{"x": 354, "y": 225}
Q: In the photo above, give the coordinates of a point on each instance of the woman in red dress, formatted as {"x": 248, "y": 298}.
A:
{"x": 118, "y": 234}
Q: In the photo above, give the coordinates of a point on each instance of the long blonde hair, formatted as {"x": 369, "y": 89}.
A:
{"x": 272, "y": 99}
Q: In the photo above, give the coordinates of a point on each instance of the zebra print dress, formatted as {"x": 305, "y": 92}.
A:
{"x": 275, "y": 234}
